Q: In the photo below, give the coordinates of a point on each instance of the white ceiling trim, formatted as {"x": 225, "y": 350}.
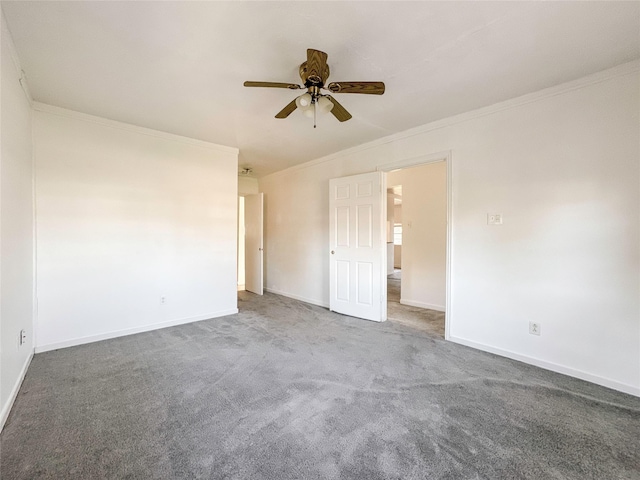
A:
{"x": 444, "y": 156}
{"x": 64, "y": 112}
{"x": 598, "y": 77}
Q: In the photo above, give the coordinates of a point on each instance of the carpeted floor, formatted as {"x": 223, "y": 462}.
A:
{"x": 429, "y": 321}
{"x": 286, "y": 390}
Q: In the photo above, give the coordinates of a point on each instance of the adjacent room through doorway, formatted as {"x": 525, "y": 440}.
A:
{"x": 417, "y": 246}
{"x": 250, "y": 243}
{"x": 241, "y": 249}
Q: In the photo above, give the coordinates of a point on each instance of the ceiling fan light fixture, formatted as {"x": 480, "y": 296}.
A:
{"x": 308, "y": 111}
{"x": 304, "y": 100}
{"x": 314, "y": 74}
{"x": 324, "y": 104}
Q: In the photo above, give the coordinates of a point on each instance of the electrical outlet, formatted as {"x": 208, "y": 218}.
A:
{"x": 163, "y": 300}
{"x": 534, "y": 328}
{"x": 494, "y": 219}
{"x": 23, "y": 337}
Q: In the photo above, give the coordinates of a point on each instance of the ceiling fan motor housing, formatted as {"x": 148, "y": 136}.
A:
{"x": 311, "y": 79}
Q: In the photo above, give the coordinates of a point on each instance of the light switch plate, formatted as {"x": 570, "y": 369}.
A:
{"x": 494, "y": 219}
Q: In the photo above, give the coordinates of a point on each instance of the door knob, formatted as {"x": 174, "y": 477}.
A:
{"x": 260, "y": 249}
{"x": 332, "y": 252}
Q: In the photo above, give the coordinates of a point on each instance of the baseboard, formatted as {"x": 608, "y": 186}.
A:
{"x": 297, "y": 297}
{"x": 413, "y": 303}
{"x": 6, "y": 409}
{"x": 241, "y": 287}
{"x": 130, "y": 331}
{"x": 554, "y": 367}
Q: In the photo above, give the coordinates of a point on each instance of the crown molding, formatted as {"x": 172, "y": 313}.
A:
{"x": 64, "y": 112}
{"x": 560, "y": 89}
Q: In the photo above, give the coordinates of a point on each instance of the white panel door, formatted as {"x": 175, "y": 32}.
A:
{"x": 253, "y": 243}
{"x": 358, "y": 246}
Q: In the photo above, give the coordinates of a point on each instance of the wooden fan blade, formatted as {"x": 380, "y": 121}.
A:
{"x": 370, "y": 88}
{"x": 316, "y": 66}
{"x": 292, "y": 86}
{"x": 338, "y": 110}
{"x": 286, "y": 111}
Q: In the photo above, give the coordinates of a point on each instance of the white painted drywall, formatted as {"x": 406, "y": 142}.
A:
{"x": 424, "y": 234}
{"x": 390, "y": 258}
{"x": 126, "y": 216}
{"x": 247, "y": 186}
{"x": 397, "y": 256}
{"x": 562, "y": 167}
{"x": 390, "y": 217}
{"x": 241, "y": 252}
{"x": 16, "y": 228}
{"x": 390, "y": 222}
{"x": 397, "y": 249}
{"x": 397, "y": 213}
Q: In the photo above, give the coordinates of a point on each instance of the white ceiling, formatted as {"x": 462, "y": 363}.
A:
{"x": 178, "y": 67}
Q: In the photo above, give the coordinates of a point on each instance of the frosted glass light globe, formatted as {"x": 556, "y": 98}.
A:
{"x": 325, "y": 105}
{"x": 308, "y": 112}
{"x": 303, "y": 100}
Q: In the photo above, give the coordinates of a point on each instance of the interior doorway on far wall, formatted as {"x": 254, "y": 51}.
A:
{"x": 394, "y": 241}
{"x": 251, "y": 243}
{"x": 241, "y": 250}
{"x": 417, "y": 247}
{"x": 394, "y": 230}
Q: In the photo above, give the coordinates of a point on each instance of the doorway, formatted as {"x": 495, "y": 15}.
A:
{"x": 241, "y": 249}
{"x": 250, "y": 243}
{"x": 418, "y": 212}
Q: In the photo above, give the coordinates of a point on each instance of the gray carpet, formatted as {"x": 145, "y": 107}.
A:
{"x": 285, "y": 390}
{"x": 429, "y": 321}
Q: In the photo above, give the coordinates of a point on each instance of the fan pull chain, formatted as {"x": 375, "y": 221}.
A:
{"x": 314, "y": 113}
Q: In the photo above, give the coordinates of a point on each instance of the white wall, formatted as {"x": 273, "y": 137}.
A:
{"x": 397, "y": 249}
{"x": 397, "y": 213}
{"x": 390, "y": 216}
{"x": 390, "y": 223}
{"x": 562, "y": 167}
{"x": 397, "y": 256}
{"x": 241, "y": 252}
{"x": 16, "y": 228}
{"x": 424, "y": 234}
{"x": 126, "y": 216}
{"x": 247, "y": 186}
{"x": 390, "y": 258}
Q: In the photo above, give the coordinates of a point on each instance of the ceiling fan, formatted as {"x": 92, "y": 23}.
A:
{"x": 314, "y": 74}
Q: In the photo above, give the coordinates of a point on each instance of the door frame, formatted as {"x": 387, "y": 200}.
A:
{"x": 424, "y": 160}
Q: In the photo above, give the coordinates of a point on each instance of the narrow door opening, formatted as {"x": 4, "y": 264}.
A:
{"x": 417, "y": 246}
{"x": 394, "y": 243}
{"x": 241, "y": 248}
